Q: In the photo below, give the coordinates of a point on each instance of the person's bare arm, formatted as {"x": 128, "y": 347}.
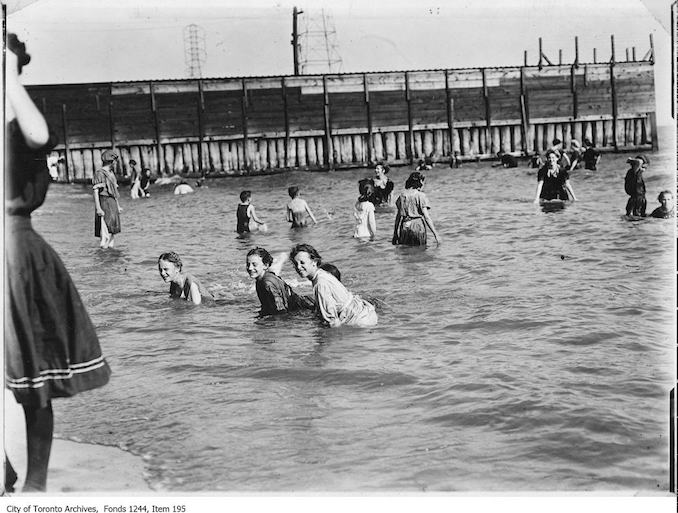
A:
{"x": 97, "y": 203}
{"x": 570, "y": 190}
{"x": 31, "y": 121}
{"x": 196, "y": 297}
{"x": 308, "y": 209}
{"x": 429, "y": 223}
{"x": 253, "y": 215}
{"x": 540, "y": 184}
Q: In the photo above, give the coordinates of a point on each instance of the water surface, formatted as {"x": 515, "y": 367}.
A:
{"x": 532, "y": 350}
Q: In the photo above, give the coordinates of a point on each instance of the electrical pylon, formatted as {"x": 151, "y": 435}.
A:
{"x": 318, "y": 47}
{"x": 194, "y": 50}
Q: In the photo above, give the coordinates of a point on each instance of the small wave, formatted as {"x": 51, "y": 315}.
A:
{"x": 586, "y": 340}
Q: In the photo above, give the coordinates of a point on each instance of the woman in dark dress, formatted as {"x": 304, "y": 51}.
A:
{"x": 552, "y": 181}
{"x": 51, "y": 348}
{"x": 383, "y": 186}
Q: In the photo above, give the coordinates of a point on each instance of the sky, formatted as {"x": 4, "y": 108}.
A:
{"x": 74, "y": 41}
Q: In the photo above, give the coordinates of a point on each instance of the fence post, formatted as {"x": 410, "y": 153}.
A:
{"x": 410, "y": 129}
{"x": 573, "y": 87}
{"x": 111, "y": 124}
{"x": 156, "y": 124}
{"x": 286, "y": 114}
{"x": 524, "y": 119}
{"x": 67, "y": 149}
{"x": 329, "y": 153}
{"x": 245, "y": 134}
{"x": 201, "y": 108}
{"x": 488, "y": 113}
{"x": 613, "y": 92}
{"x": 450, "y": 111}
{"x": 368, "y": 108}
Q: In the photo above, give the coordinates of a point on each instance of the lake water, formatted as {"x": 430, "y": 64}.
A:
{"x": 530, "y": 351}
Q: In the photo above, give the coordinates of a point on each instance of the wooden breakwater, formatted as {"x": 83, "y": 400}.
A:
{"x": 262, "y": 124}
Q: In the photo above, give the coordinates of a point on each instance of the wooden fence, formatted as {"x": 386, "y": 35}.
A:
{"x": 263, "y": 124}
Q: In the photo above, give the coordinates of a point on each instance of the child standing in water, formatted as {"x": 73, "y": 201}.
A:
{"x": 634, "y": 185}
{"x": 298, "y": 210}
{"x": 182, "y": 285}
{"x": 364, "y": 213}
{"x": 275, "y": 295}
{"x": 334, "y": 302}
{"x": 246, "y": 213}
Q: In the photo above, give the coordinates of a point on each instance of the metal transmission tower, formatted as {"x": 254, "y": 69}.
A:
{"x": 318, "y": 47}
{"x": 194, "y": 50}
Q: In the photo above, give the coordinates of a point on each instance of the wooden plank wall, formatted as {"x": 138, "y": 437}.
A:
{"x": 264, "y": 124}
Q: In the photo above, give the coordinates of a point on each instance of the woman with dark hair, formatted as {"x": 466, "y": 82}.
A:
{"x": 334, "y": 302}
{"x": 182, "y": 285}
{"x": 275, "y": 294}
{"x": 51, "y": 347}
{"x": 552, "y": 181}
{"x": 412, "y": 216}
{"x": 383, "y": 186}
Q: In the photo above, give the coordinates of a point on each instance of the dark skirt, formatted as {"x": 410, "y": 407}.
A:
{"x": 412, "y": 232}
{"x": 636, "y": 206}
{"x": 51, "y": 347}
{"x": 111, "y": 216}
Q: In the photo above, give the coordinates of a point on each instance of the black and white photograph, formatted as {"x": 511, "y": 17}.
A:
{"x": 260, "y": 248}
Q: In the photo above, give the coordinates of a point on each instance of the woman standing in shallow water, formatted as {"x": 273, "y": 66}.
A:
{"x": 412, "y": 216}
{"x": 105, "y": 186}
{"x": 51, "y": 348}
{"x": 553, "y": 182}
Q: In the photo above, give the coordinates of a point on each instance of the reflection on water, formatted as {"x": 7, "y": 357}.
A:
{"x": 531, "y": 350}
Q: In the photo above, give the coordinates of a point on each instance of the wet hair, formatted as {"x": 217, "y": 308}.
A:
{"x": 265, "y": 256}
{"x": 19, "y": 49}
{"x": 666, "y": 192}
{"x": 172, "y": 257}
{"x": 245, "y": 195}
{"x": 386, "y": 167}
{"x": 644, "y": 159}
{"x": 307, "y": 248}
{"x": 415, "y": 180}
{"x": 365, "y": 188}
{"x": 332, "y": 269}
{"x": 293, "y": 191}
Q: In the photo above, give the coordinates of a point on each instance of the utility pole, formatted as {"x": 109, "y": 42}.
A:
{"x": 295, "y": 39}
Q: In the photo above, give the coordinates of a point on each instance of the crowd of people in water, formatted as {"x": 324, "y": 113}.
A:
{"x": 52, "y": 349}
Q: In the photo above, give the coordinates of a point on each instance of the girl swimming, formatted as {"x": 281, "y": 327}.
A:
{"x": 334, "y": 302}
{"x": 275, "y": 295}
{"x": 182, "y": 285}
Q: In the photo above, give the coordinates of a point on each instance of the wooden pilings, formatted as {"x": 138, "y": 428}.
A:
{"x": 232, "y": 157}
{"x": 265, "y": 124}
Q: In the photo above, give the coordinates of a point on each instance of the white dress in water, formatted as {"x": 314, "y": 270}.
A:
{"x": 364, "y": 215}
